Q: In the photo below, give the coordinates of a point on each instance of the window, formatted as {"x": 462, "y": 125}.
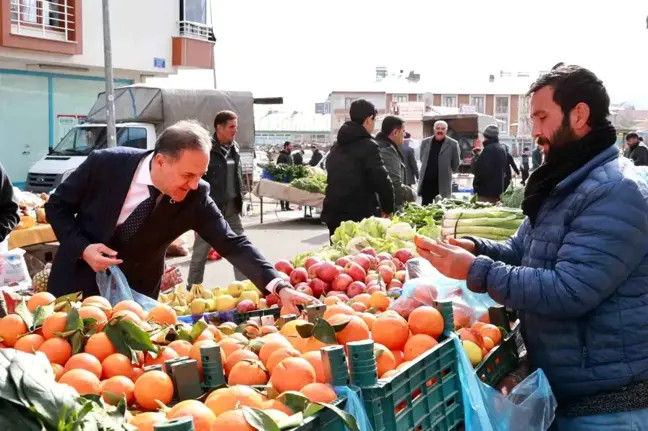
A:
{"x": 479, "y": 102}
{"x": 399, "y": 98}
{"x": 420, "y": 97}
{"x": 193, "y": 11}
{"x": 132, "y": 137}
{"x": 501, "y": 105}
{"x": 524, "y": 122}
{"x": 449, "y": 101}
{"x": 503, "y": 124}
{"x": 348, "y": 101}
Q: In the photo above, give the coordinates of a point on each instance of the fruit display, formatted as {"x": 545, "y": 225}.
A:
{"x": 242, "y": 296}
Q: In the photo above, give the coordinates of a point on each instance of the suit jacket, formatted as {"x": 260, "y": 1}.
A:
{"x": 448, "y": 164}
{"x": 85, "y": 208}
{"x": 411, "y": 168}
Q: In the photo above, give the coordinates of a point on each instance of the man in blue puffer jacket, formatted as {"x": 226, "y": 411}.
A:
{"x": 577, "y": 268}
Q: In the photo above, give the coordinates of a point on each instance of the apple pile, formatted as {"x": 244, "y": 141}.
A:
{"x": 348, "y": 276}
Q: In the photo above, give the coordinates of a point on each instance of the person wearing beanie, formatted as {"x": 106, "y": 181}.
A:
{"x": 357, "y": 184}
{"x": 490, "y": 167}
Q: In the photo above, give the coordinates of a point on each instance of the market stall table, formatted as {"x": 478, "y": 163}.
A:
{"x": 286, "y": 192}
{"x": 39, "y": 234}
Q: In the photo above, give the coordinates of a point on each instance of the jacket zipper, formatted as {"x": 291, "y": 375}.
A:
{"x": 584, "y": 353}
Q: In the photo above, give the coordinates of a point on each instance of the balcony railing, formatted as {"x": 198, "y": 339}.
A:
{"x": 196, "y": 30}
{"x": 43, "y": 19}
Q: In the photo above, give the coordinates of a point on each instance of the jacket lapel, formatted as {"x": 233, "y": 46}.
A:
{"x": 120, "y": 186}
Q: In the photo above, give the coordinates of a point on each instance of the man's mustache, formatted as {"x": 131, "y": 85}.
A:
{"x": 543, "y": 141}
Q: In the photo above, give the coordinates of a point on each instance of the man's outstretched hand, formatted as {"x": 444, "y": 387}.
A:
{"x": 291, "y": 298}
{"x": 453, "y": 261}
{"x": 466, "y": 244}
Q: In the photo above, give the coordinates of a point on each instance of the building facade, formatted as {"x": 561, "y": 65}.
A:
{"x": 274, "y": 127}
{"x": 504, "y": 99}
{"x": 52, "y": 58}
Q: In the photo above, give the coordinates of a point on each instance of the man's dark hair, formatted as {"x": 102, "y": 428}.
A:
{"x": 181, "y": 136}
{"x": 287, "y": 143}
{"x": 224, "y": 117}
{"x": 526, "y": 149}
{"x": 408, "y": 135}
{"x": 573, "y": 85}
{"x": 631, "y": 135}
{"x": 362, "y": 109}
{"x": 641, "y": 138}
{"x": 390, "y": 123}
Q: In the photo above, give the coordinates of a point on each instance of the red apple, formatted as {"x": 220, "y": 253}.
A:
{"x": 404, "y": 255}
{"x": 373, "y": 288}
{"x": 400, "y": 276}
{"x": 386, "y": 273}
{"x": 284, "y": 266}
{"x": 398, "y": 264}
{"x": 387, "y": 263}
{"x": 312, "y": 261}
{"x": 395, "y": 283}
{"x": 356, "y": 271}
{"x": 343, "y": 296}
{"x": 312, "y": 271}
{"x": 339, "y": 268}
{"x": 356, "y": 288}
{"x": 298, "y": 275}
{"x": 327, "y": 271}
{"x": 343, "y": 261}
{"x": 318, "y": 287}
{"x": 301, "y": 284}
{"x": 373, "y": 262}
{"x": 245, "y": 306}
{"x": 271, "y": 300}
{"x": 341, "y": 282}
{"x": 369, "y": 251}
{"x": 383, "y": 256}
{"x": 372, "y": 277}
{"x": 362, "y": 260}
{"x": 304, "y": 288}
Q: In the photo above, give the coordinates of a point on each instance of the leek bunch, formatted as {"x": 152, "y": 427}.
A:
{"x": 494, "y": 223}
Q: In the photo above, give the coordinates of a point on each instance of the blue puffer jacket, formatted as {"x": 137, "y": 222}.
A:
{"x": 579, "y": 279}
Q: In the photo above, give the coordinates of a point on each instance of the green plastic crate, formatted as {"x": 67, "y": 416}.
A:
{"x": 504, "y": 358}
{"x": 325, "y": 419}
{"x": 426, "y": 396}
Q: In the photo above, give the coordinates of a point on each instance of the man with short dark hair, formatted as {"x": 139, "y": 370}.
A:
{"x": 285, "y": 158}
{"x": 316, "y": 157}
{"x": 124, "y": 206}
{"x": 225, "y": 178}
{"x": 637, "y": 150}
{"x": 577, "y": 268}
{"x": 390, "y": 139}
{"x": 358, "y": 185}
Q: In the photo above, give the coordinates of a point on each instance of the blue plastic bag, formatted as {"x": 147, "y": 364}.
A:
{"x": 530, "y": 406}
{"x": 114, "y": 287}
{"x": 355, "y": 407}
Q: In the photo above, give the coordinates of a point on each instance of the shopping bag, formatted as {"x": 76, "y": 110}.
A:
{"x": 13, "y": 270}
{"x": 355, "y": 407}
{"x": 530, "y": 406}
{"x": 114, "y": 287}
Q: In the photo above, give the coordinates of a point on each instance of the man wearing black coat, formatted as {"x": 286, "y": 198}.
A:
{"x": 411, "y": 167}
{"x": 9, "y": 217}
{"x": 316, "y": 157}
{"x": 638, "y": 151}
{"x": 490, "y": 167}
{"x": 285, "y": 158}
{"x": 124, "y": 206}
{"x": 358, "y": 185}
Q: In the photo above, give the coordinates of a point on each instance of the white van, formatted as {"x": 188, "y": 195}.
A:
{"x": 141, "y": 113}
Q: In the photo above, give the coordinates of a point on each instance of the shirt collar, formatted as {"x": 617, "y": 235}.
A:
{"x": 143, "y": 173}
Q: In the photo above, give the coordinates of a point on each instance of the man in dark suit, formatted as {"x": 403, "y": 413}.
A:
{"x": 411, "y": 168}
{"x": 124, "y": 207}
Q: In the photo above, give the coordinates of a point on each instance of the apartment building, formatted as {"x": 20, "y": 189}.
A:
{"x": 502, "y": 98}
{"x": 52, "y": 58}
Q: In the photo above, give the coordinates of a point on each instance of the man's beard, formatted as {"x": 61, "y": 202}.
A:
{"x": 558, "y": 141}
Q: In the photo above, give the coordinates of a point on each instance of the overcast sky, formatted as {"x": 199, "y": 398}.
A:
{"x": 302, "y": 50}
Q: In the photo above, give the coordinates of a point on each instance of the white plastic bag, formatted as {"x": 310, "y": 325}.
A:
{"x": 13, "y": 269}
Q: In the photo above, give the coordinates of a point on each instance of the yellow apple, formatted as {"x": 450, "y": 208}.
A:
{"x": 225, "y": 303}
{"x": 251, "y": 295}
{"x": 199, "y": 306}
{"x": 235, "y": 289}
{"x": 473, "y": 351}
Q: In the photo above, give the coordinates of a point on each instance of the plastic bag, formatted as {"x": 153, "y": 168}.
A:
{"x": 354, "y": 406}
{"x": 427, "y": 285}
{"x": 114, "y": 287}
{"x": 530, "y": 406}
{"x": 13, "y": 270}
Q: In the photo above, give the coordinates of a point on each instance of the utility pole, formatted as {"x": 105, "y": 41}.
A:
{"x": 210, "y": 21}
{"x": 108, "y": 69}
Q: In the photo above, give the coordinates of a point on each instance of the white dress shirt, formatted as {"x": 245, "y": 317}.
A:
{"x": 139, "y": 189}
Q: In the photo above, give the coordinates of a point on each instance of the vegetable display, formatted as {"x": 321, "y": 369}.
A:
{"x": 283, "y": 173}
{"x": 315, "y": 183}
{"x": 429, "y": 215}
{"x": 513, "y": 196}
{"x": 494, "y": 223}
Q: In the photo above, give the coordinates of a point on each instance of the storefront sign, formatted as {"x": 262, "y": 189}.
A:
{"x": 409, "y": 110}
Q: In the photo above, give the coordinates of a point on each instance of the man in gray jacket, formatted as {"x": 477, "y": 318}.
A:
{"x": 390, "y": 140}
{"x": 439, "y": 160}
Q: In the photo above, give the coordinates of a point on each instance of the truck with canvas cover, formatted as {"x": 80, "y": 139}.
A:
{"x": 465, "y": 128}
{"x": 141, "y": 113}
